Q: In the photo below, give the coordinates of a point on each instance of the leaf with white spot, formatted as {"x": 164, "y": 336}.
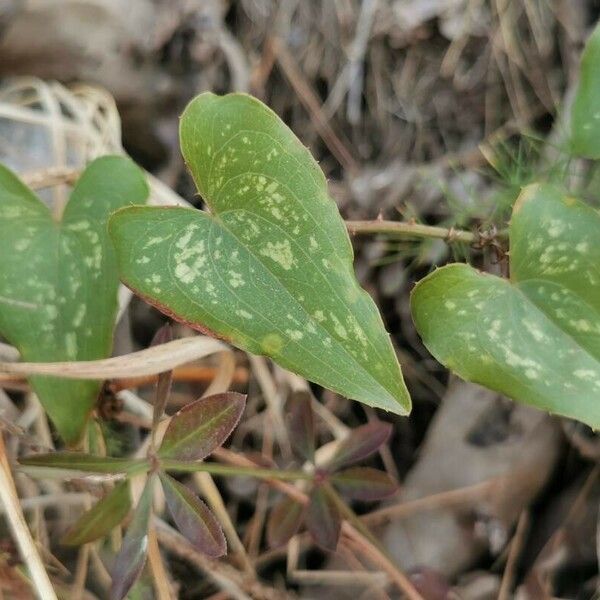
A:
{"x": 585, "y": 114}
{"x": 270, "y": 267}
{"x": 535, "y": 338}
{"x": 58, "y": 281}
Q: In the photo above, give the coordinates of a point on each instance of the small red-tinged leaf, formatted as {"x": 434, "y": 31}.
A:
{"x": 101, "y": 518}
{"x": 284, "y": 521}
{"x": 301, "y": 425}
{"x": 85, "y": 463}
{"x": 202, "y": 426}
{"x": 364, "y": 483}
{"x": 131, "y": 558}
{"x": 323, "y": 519}
{"x": 360, "y": 443}
{"x": 193, "y": 518}
{"x": 163, "y": 385}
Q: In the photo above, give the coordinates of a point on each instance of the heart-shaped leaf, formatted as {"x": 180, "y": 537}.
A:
{"x": 360, "y": 444}
{"x": 97, "y": 522}
{"x": 131, "y": 558}
{"x": 284, "y": 521}
{"x": 535, "y": 338}
{"x": 202, "y": 426}
{"x": 270, "y": 268}
{"x": 585, "y": 114}
{"x": 193, "y": 518}
{"x": 364, "y": 483}
{"x": 323, "y": 519}
{"x": 58, "y": 281}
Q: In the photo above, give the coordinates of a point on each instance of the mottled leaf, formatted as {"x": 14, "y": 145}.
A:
{"x": 201, "y": 426}
{"x": 270, "y": 267}
{"x": 360, "y": 444}
{"x": 323, "y": 519}
{"x": 364, "y": 483}
{"x": 193, "y": 518}
{"x": 301, "y": 424}
{"x": 131, "y": 558}
{"x": 85, "y": 463}
{"x": 535, "y": 338}
{"x": 58, "y": 281}
{"x": 97, "y": 522}
{"x": 284, "y": 521}
{"x": 585, "y": 115}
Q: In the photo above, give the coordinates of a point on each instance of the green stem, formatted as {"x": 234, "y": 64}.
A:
{"x": 416, "y": 230}
{"x": 184, "y": 466}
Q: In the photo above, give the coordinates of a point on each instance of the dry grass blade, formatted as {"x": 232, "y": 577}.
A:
{"x": 137, "y": 364}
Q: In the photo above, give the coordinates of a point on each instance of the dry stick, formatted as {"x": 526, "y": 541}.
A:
{"x": 516, "y": 545}
{"x": 434, "y": 501}
{"x": 312, "y": 103}
{"x": 18, "y": 526}
{"x": 223, "y": 575}
{"x": 145, "y": 362}
{"x": 157, "y": 567}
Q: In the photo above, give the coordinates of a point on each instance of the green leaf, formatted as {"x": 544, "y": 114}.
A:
{"x": 202, "y": 426}
{"x": 535, "y": 338}
{"x": 284, "y": 521}
{"x": 85, "y": 463}
{"x": 301, "y": 424}
{"x": 97, "y": 522}
{"x": 131, "y": 558}
{"x": 364, "y": 483}
{"x": 58, "y": 281}
{"x": 323, "y": 519}
{"x": 360, "y": 443}
{"x": 585, "y": 114}
{"x": 270, "y": 268}
{"x": 193, "y": 518}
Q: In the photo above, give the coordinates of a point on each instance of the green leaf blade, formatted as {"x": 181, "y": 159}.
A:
{"x": 270, "y": 269}
{"x": 131, "y": 558}
{"x": 193, "y": 518}
{"x": 58, "y": 285}
{"x": 585, "y": 114}
{"x": 97, "y": 522}
{"x": 85, "y": 463}
{"x": 535, "y": 338}
{"x": 200, "y": 427}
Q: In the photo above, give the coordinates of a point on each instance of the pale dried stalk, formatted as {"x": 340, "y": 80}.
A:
{"x": 145, "y": 362}
{"x": 159, "y": 574}
{"x": 18, "y": 526}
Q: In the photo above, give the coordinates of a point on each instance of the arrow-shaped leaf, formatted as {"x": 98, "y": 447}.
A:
{"x": 535, "y": 338}
{"x": 97, "y": 522}
{"x": 202, "y": 426}
{"x": 58, "y": 281}
{"x": 193, "y": 518}
{"x": 270, "y": 268}
{"x": 585, "y": 115}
